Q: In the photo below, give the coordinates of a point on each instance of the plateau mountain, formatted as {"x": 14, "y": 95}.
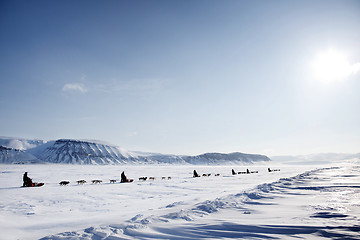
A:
{"x": 71, "y": 151}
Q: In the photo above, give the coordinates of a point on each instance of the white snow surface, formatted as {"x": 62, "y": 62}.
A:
{"x": 297, "y": 202}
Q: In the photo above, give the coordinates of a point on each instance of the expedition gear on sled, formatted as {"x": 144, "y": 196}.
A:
{"x": 196, "y": 174}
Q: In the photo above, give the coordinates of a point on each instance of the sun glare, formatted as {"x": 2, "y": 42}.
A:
{"x": 331, "y": 66}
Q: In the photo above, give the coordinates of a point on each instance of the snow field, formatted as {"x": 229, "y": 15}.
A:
{"x": 183, "y": 207}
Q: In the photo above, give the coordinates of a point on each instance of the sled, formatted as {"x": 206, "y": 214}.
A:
{"x": 128, "y": 181}
{"x": 36, "y": 185}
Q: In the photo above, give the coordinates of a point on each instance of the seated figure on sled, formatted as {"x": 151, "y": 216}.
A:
{"x": 124, "y": 179}
{"x": 27, "y": 181}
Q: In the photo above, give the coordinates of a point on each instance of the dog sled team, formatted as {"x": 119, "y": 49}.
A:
{"x": 195, "y": 174}
{"x": 123, "y": 179}
{"x": 246, "y": 172}
{"x": 27, "y": 182}
{"x": 273, "y": 170}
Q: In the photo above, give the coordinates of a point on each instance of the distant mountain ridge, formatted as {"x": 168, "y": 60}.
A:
{"x": 222, "y": 158}
{"x": 71, "y": 151}
{"x": 20, "y": 143}
{"x": 82, "y": 152}
{"x": 318, "y": 158}
{"x": 10, "y": 155}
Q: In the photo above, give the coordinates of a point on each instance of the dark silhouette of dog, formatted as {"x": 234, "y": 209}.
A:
{"x": 169, "y": 178}
{"x": 206, "y": 174}
{"x": 218, "y": 174}
{"x": 142, "y": 178}
{"x": 112, "y": 181}
{"x": 64, "y": 183}
{"x": 96, "y": 181}
{"x": 152, "y": 178}
{"x": 81, "y": 181}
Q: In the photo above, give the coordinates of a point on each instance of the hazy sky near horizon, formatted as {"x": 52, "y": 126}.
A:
{"x": 183, "y": 77}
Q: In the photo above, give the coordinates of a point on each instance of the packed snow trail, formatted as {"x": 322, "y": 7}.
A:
{"x": 317, "y": 204}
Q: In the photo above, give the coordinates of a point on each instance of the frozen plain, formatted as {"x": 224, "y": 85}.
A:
{"x": 310, "y": 202}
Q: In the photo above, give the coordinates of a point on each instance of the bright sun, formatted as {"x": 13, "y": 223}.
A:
{"x": 331, "y": 66}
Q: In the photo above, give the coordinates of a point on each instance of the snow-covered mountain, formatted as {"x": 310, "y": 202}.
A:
{"x": 83, "y": 152}
{"x": 231, "y": 158}
{"x": 318, "y": 158}
{"x": 10, "y": 155}
{"x": 70, "y": 151}
{"x": 20, "y": 143}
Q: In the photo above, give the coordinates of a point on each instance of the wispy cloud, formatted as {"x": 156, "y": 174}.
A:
{"x": 141, "y": 86}
{"x": 74, "y": 87}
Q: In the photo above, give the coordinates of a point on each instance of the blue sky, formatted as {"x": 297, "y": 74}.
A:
{"x": 182, "y": 77}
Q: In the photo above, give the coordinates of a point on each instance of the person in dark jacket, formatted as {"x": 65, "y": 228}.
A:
{"x": 123, "y": 177}
{"x": 196, "y": 174}
{"x": 27, "y": 181}
{"x": 233, "y": 172}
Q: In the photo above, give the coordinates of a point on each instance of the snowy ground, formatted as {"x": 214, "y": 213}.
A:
{"x": 317, "y": 203}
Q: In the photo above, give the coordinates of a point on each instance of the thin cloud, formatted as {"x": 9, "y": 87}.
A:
{"x": 140, "y": 86}
{"x": 74, "y": 87}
